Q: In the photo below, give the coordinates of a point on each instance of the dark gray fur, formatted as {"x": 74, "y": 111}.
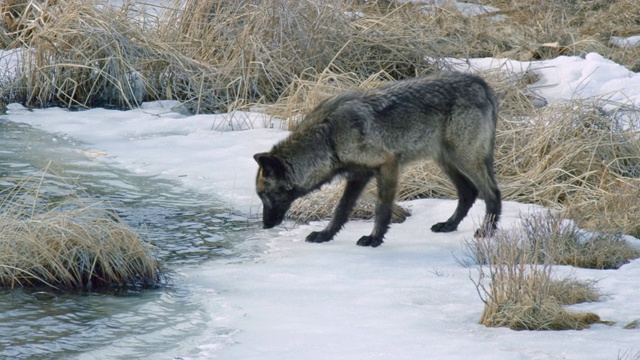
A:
{"x": 450, "y": 118}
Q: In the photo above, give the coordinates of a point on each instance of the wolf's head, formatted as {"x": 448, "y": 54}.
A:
{"x": 276, "y": 192}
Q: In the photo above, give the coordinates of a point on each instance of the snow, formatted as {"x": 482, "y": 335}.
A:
{"x": 570, "y": 77}
{"x": 9, "y": 60}
{"x": 465, "y": 8}
{"x": 624, "y": 42}
{"x": 408, "y": 299}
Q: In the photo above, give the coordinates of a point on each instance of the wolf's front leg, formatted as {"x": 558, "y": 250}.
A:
{"x": 351, "y": 193}
{"x": 387, "y": 184}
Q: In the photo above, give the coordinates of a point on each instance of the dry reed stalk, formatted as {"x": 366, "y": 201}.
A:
{"x": 67, "y": 242}
{"x": 20, "y": 19}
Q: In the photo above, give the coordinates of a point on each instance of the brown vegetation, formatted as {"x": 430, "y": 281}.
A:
{"x": 221, "y": 55}
{"x": 563, "y": 243}
{"x": 520, "y": 292}
{"x": 68, "y": 242}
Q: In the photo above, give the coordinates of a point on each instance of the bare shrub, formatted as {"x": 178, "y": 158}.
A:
{"x": 68, "y": 242}
{"x": 520, "y": 294}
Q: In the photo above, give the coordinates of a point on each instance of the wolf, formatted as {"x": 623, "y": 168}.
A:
{"x": 447, "y": 117}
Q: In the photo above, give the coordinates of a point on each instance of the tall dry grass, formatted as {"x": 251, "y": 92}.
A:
{"x": 521, "y": 293}
{"x": 544, "y": 29}
{"x": 260, "y": 48}
{"x": 79, "y": 54}
{"x": 68, "y": 241}
{"x": 220, "y": 55}
{"x": 213, "y": 55}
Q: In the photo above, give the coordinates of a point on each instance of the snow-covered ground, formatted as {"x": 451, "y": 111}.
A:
{"x": 408, "y": 299}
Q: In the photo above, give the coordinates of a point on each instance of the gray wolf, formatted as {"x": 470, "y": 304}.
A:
{"x": 449, "y": 117}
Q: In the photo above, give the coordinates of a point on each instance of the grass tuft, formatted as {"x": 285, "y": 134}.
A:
{"x": 68, "y": 242}
{"x": 515, "y": 273}
{"x": 563, "y": 243}
{"x": 521, "y": 294}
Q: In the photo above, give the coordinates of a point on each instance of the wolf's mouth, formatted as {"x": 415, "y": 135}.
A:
{"x": 272, "y": 218}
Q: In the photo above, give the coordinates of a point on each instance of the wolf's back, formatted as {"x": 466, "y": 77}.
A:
{"x": 418, "y": 117}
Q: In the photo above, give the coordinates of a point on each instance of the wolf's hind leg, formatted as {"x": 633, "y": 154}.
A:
{"x": 387, "y": 184}
{"x": 467, "y": 194}
{"x": 352, "y": 191}
{"x": 493, "y": 200}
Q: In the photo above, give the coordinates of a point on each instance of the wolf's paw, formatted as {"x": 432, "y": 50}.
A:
{"x": 444, "y": 227}
{"x": 369, "y": 241}
{"x": 319, "y": 237}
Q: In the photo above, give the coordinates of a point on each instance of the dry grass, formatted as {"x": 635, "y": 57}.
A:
{"x": 320, "y": 204}
{"x": 562, "y": 242}
{"x": 79, "y": 54}
{"x": 212, "y": 55}
{"x": 566, "y": 155}
{"x": 522, "y": 295}
{"x": 515, "y": 273}
{"x": 628, "y": 355}
{"x": 221, "y": 55}
{"x": 216, "y": 56}
{"x": 570, "y": 27}
{"x": 617, "y": 210}
{"x": 263, "y": 48}
{"x": 67, "y": 242}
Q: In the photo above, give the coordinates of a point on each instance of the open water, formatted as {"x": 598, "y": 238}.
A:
{"x": 186, "y": 229}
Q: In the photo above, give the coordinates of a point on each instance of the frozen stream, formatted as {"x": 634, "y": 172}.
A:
{"x": 185, "y": 227}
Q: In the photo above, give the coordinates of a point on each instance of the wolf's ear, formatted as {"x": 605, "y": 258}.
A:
{"x": 270, "y": 164}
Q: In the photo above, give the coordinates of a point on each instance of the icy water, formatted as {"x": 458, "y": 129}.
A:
{"x": 185, "y": 228}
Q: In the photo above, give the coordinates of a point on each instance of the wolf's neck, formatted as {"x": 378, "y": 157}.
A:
{"x": 310, "y": 163}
